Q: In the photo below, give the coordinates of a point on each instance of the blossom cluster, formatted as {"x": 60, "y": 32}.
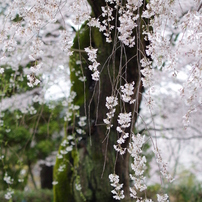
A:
{"x": 9, "y": 194}
{"x": 127, "y": 92}
{"x": 128, "y": 19}
{"x": 163, "y": 198}
{"x": 118, "y": 193}
{"x": 66, "y": 147}
{"x": 147, "y": 78}
{"x": 147, "y": 72}
{"x": 33, "y": 81}
{"x": 8, "y": 181}
{"x": 124, "y": 120}
{"x": 92, "y": 55}
{"x": 80, "y": 10}
{"x": 174, "y": 50}
{"x": 107, "y": 27}
{"x": 66, "y": 42}
{"x": 138, "y": 165}
{"x": 29, "y": 32}
{"x": 72, "y": 109}
{"x": 163, "y": 165}
{"x": 81, "y": 123}
{"x": 111, "y": 103}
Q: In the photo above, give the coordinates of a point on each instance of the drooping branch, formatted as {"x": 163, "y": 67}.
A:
{"x": 172, "y": 129}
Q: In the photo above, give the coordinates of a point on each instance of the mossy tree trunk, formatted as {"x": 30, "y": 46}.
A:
{"x": 97, "y": 157}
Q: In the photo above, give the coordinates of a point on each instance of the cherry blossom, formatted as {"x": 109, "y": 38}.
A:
{"x": 37, "y": 37}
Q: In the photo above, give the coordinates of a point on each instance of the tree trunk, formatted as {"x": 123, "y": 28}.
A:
{"x": 97, "y": 157}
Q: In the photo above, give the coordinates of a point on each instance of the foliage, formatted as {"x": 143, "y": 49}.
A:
{"x": 178, "y": 193}
{"x": 26, "y": 139}
{"x": 184, "y": 193}
{"x": 29, "y": 196}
